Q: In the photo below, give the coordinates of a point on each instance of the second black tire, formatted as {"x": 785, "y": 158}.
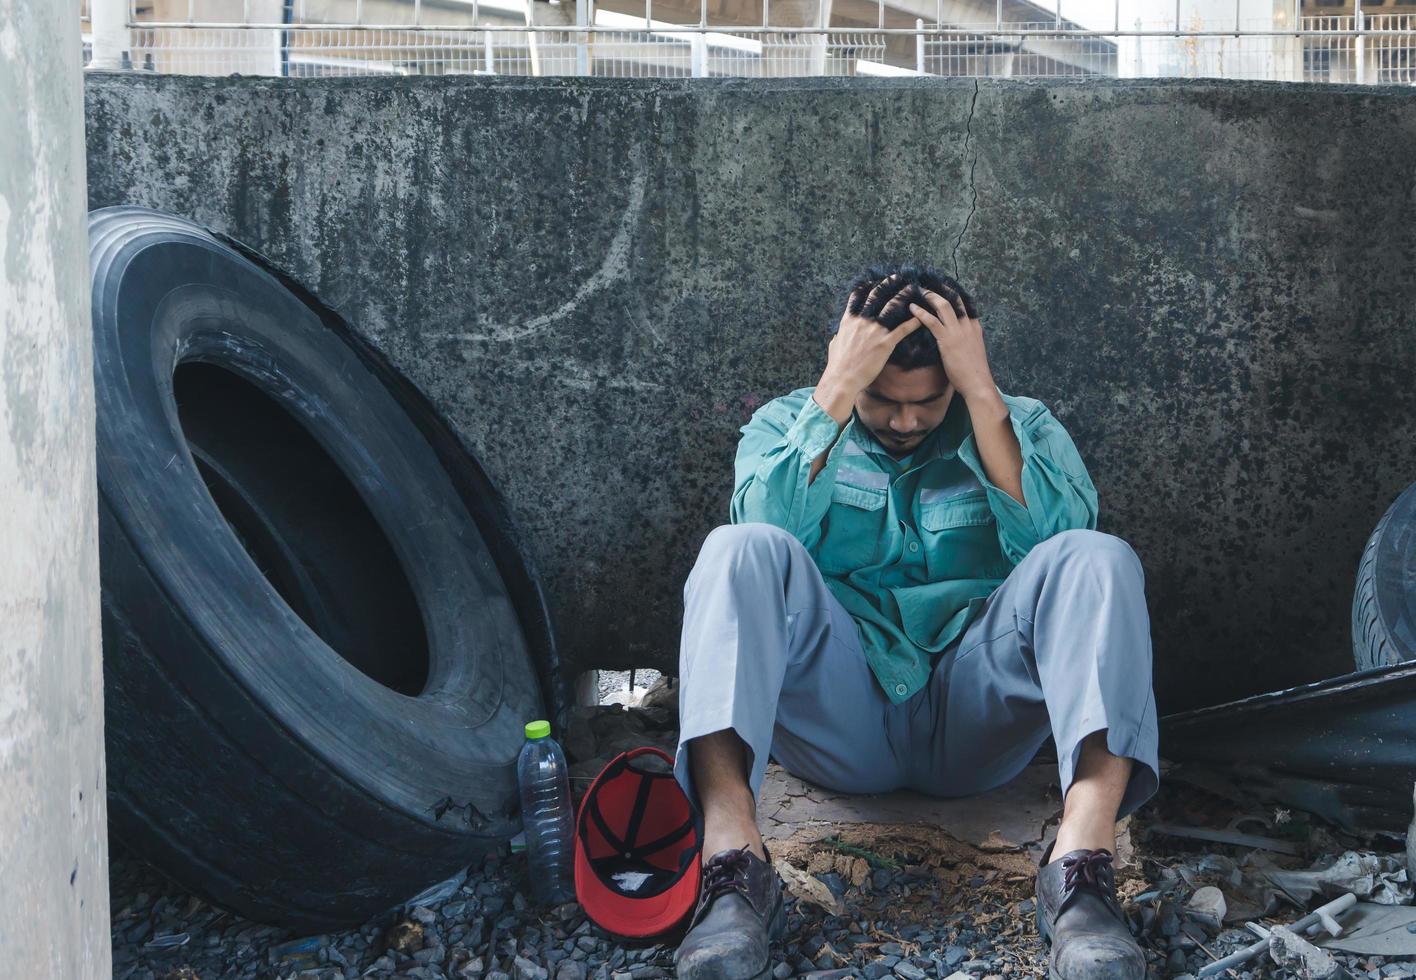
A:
{"x": 1384, "y": 606}
{"x": 315, "y": 676}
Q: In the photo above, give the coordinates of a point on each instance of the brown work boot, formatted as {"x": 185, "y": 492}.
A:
{"x": 1078, "y": 912}
{"x": 739, "y": 913}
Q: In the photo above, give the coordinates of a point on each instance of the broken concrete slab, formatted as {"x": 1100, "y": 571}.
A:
{"x": 1005, "y": 829}
{"x": 1294, "y": 953}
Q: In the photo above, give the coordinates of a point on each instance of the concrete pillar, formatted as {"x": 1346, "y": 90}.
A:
{"x": 54, "y": 855}
{"x": 109, "y": 22}
{"x": 799, "y": 54}
{"x": 552, "y": 52}
{"x": 587, "y": 688}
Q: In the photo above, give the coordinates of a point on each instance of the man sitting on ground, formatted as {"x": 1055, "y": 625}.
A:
{"x": 912, "y": 593}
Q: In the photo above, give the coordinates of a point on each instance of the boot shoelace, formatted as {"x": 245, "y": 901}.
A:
{"x": 722, "y": 873}
{"x": 1091, "y": 869}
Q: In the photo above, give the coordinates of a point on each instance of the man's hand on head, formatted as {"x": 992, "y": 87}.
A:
{"x": 960, "y": 341}
{"x": 858, "y": 352}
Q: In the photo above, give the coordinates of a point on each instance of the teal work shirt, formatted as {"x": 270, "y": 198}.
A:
{"x": 911, "y": 547}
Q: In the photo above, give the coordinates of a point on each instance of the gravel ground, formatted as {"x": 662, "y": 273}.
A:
{"x": 903, "y": 922}
{"x": 903, "y": 916}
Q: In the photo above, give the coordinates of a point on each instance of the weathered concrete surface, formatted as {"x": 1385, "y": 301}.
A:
{"x": 1019, "y": 818}
{"x": 599, "y": 280}
{"x": 1006, "y": 830}
{"x": 53, "y": 836}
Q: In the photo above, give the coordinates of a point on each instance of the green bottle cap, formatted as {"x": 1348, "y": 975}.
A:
{"x": 538, "y": 729}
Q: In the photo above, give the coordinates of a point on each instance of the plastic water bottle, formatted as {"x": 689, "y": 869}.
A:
{"x": 547, "y": 816}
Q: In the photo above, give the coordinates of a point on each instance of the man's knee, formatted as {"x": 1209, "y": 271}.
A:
{"x": 727, "y": 545}
{"x": 1093, "y": 548}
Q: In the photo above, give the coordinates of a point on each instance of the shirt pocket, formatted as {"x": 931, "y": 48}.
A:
{"x": 963, "y": 510}
{"x": 960, "y": 537}
{"x": 854, "y": 526}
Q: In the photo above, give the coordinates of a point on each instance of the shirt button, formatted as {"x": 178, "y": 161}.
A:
{"x": 900, "y": 689}
{"x": 914, "y": 545}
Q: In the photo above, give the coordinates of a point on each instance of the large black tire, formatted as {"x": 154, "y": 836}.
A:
{"x": 1384, "y": 606}
{"x": 315, "y": 675}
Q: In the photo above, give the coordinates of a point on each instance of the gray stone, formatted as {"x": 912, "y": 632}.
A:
{"x": 571, "y": 970}
{"x": 1207, "y": 907}
{"x": 527, "y": 970}
{"x": 1168, "y": 921}
{"x": 430, "y": 954}
{"x": 909, "y": 971}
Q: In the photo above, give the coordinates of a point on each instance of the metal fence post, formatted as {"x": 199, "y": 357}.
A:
{"x": 582, "y": 48}
{"x": 698, "y": 45}
{"x": 1359, "y": 22}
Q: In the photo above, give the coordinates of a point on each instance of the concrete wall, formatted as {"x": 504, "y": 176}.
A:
{"x": 53, "y": 836}
{"x": 599, "y": 280}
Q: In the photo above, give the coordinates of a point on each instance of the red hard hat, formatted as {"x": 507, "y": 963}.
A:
{"x": 638, "y": 847}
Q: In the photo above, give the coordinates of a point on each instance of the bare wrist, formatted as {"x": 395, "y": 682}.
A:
{"x": 985, "y": 399}
{"x": 835, "y": 399}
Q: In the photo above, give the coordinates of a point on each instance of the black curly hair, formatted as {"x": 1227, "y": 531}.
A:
{"x": 890, "y": 307}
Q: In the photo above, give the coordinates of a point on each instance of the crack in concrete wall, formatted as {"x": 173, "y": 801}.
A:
{"x": 973, "y": 188}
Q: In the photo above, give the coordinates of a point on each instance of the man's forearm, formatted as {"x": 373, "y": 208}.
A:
{"x": 837, "y": 402}
{"x": 998, "y": 447}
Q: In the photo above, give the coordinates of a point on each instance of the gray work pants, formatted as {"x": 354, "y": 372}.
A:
{"x": 1062, "y": 647}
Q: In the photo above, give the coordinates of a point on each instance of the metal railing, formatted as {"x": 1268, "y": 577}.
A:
{"x": 296, "y": 38}
{"x": 1385, "y": 54}
{"x": 307, "y": 52}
